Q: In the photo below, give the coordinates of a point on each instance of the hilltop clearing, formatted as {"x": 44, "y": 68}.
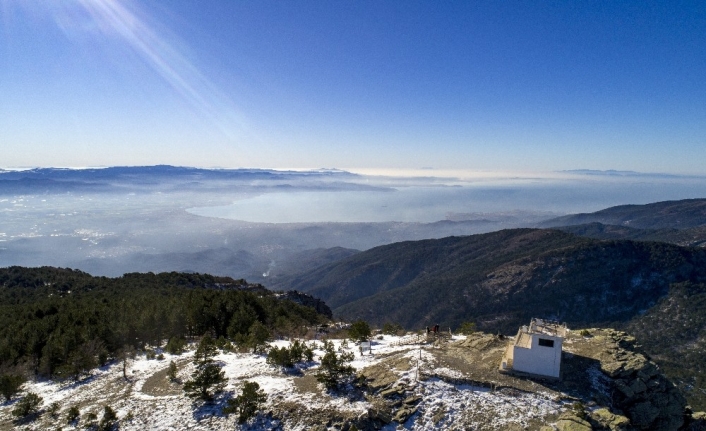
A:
{"x": 419, "y": 387}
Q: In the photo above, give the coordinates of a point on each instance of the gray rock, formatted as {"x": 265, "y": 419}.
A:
{"x": 606, "y": 419}
{"x": 380, "y": 415}
{"x": 404, "y": 413}
{"x": 569, "y": 422}
{"x": 643, "y": 414}
{"x": 624, "y": 389}
{"x": 638, "y": 386}
{"x": 391, "y": 392}
{"x": 612, "y": 369}
{"x": 412, "y": 399}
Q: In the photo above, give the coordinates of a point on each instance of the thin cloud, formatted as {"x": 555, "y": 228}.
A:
{"x": 110, "y": 20}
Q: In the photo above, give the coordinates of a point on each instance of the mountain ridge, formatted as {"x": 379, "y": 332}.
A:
{"x": 677, "y": 214}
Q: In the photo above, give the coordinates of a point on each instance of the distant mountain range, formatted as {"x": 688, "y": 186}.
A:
{"x": 163, "y": 178}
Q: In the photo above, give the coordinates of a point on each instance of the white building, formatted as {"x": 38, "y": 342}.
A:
{"x": 536, "y": 350}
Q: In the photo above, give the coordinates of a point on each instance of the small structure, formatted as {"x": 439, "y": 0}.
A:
{"x": 536, "y": 350}
{"x": 366, "y": 346}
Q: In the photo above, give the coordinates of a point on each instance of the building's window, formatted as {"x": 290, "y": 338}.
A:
{"x": 546, "y": 343}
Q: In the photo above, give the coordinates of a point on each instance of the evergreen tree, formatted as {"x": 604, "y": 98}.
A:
{"x": 206, "y": 350}
{"x": 467, "y": 328}
{"x": 57, "y": 333}
{"x": 109, "y": 420}
{"x": 72, "y": 414}
{"x": 359, "y": 331}
{"x": 172, "y": 371}
{"x": 334, "y": 370}
{"x": 53, "y": 409}
{"x": 258, "y": 336}
{"x": 287, "y": 357}
{"x": 126, "y": 355}
{"x": 28, "y": 405}
{"x": 392, "y": 328}
{"x": 247, "y": 403}
{"x": 206, "y": 381}
{"x": 280, "y": 356}
{"x": 208, "y": 378}
{"x": 10, "y": 385}
{"x": 175, "y": 345}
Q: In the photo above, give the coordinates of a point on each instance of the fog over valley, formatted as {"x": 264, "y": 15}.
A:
{"x": 256, "y": 224}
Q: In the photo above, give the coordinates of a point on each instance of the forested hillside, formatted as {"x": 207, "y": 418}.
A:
{"x": 61, "y": 322}
{"x": 674, "y": 333}
{"x": 681, "y": 214}
{"x": 502, "y": 279}
{"x": 691, "y": 237}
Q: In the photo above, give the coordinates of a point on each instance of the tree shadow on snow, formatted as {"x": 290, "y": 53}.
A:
{"x": 213, "y": 408}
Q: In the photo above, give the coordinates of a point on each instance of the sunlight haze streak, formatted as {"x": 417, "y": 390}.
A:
{"x": 126, "y": 22}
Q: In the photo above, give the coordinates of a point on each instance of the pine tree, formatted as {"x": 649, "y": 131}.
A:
{"x": 247, "y": 403}
{"x": 27, "y": 405}
{"x": 206, "y": 381}
{"x": 10, "y": 385}
{"x": 334, "y": 369}
{"x": 172, "y": 371}
{"x": 359, "y": 331}
{"x": 258, "y": 336}
{"x": 72, "y": 414}
{"x": 208, "y": 378}
{"x": 126, "y": 355}
{"x": 109, "y": 419}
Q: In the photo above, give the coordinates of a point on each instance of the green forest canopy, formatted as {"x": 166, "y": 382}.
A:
{"x": 60, "y": 322}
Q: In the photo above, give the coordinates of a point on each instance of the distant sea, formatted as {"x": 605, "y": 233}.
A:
{"x": 434, "y": 203}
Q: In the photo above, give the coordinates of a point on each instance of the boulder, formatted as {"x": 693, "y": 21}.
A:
{"x": 604, "y": 418}
{"x": 381, "y": 415}
{"x": 412, "y": 400}
{"x": 392, "y": 392}
{"x": 570, "y": 422}
{"x": 404, "y": 413}
{"x": 612, "y": 369}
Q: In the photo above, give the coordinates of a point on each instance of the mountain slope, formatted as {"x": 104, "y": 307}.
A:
{"x": 501, "y": 279}
{"x": 679, "y": 214}
{"x": 674, "y": 333}
{"x": 397, "y": 265}
{"x": 691, "y": 237}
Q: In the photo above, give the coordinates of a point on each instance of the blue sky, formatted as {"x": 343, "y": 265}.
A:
{"x": 379, "y": 85}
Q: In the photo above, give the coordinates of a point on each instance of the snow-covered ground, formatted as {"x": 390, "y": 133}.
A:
{"x": 154, "y": 403}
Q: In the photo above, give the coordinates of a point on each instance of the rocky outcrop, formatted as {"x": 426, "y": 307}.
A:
{"x": 648, "y": 399}
{"x": 604, "y": 419}
{"x": 697, "y": 422}
{"x": 571, "y": 422}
